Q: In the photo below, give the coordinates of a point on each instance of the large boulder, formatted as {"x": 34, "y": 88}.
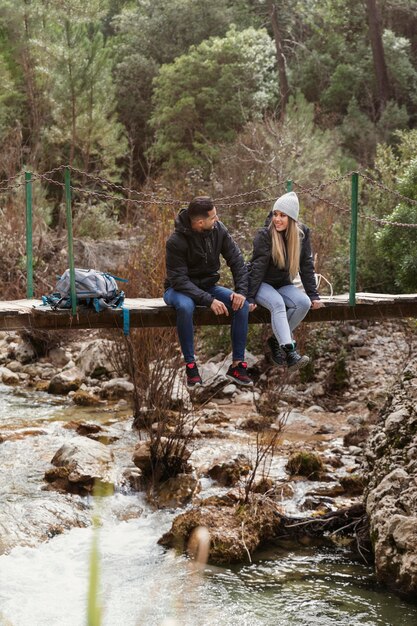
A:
{"x": 230, "y": 472}
{"x": 66, "y": 381}
{"x": 235, "y": 531}
{"x": 8, "y": 377}
{"x": 80, "y": 465}
{"x": 94, "y": 358}
{"x": 391, "y": 494}
{"x": 117, "y": 388}
{"x": 178, "y": 490}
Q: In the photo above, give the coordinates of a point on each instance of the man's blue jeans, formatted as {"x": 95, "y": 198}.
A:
{"x": 185, "y": 306}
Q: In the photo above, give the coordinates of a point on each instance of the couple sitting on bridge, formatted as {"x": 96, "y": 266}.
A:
{"x": 281, "y": 249}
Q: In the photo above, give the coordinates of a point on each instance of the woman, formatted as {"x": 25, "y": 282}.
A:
{"x": 281, "y": 250}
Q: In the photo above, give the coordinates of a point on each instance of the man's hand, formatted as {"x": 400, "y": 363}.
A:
{"x": 218, "y": 307}
{"x": 237, "y": 301}
{"x": 317, "y": 304}
{"x": 252, "y": 307}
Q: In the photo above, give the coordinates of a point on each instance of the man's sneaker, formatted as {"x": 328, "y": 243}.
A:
{"x": 294, "y": 360}
{"x": 277, "y": 355}
{"x": 193, "y": 375}
{"x": 238, "y": 374}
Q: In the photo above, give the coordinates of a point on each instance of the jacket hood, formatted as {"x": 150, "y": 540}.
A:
{"x": 182, "y": 223}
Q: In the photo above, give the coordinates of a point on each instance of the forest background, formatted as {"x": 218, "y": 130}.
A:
{"x": 151, "y": 102}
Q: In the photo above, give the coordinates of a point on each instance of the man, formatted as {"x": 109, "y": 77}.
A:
{"x": 193, "y": 263}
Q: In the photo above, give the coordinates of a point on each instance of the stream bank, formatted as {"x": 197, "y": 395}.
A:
{"x": 36, "y": 424}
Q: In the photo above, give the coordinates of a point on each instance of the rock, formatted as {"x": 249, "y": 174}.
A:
{"x": 229, "y": 473}
{"x": 356, "y": 420}
{"x": 395, "y": 419}
{"x": 247, "y": 397}
{"x": 391, "y": 492}
{"x": 356, "y": 436}
{"x": 59, "y": 357}
{"x": 94, "y": 358}
{"x": 178, "y": 490}
{"x": 117, "y": 388}
{"x": 235, "y": 530}
{"x": 132, "y": 477}
{"x": 315, "y": 408}
{"x": 353, "y": 484}
{"x": 83, "y": 398}
{"x": 66, "y": 381}
{"x": 317, "y": 390}
{"x": 229, "y": 390}
{"x": 304, "y": 463}
{"x": 79, "y": 466}
{"x": 25, "y": 353}
{"x": 294, "y": 417}
{"x": 32, "y": 521}
{"x": 364, "y": 352}
{"x": 8, "y": 377}
{"x": 325, "y": 429}
{"x": 254, "y": 421}
{"x": 14, "y": 366}
{"x": 356, "y": 340}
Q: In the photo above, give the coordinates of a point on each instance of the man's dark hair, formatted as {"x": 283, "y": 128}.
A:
{"x": 199, "y": 207}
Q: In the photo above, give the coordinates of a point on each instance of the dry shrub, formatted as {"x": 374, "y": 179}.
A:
{"x": 46, "y": 246}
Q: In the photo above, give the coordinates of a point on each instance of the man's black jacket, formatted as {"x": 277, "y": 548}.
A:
{"x": 193, "y": 260}
{"x": 263, "y": 269}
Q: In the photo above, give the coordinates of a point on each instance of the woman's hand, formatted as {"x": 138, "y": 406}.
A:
{"x": 317, "y": 304}
{"x": 252, "y": 307}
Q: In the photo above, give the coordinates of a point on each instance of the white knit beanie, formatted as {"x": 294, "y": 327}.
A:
{"x": 288, "y": 204}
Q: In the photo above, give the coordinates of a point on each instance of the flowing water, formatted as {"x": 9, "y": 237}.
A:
{"x": 141, "y": 583}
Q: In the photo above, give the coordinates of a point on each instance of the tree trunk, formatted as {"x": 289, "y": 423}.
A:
{"x": 283, "y": 81}
{"x": 375, "y": 35}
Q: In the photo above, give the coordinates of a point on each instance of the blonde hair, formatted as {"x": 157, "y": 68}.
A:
{"x": 286, "y": 247}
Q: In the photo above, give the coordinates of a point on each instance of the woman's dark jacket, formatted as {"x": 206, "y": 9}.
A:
{"x": 262, "y": 269}
{"x": 193, "y": 260}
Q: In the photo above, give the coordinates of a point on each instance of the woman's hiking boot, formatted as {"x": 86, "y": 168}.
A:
{"x": 277, "y": 355}
{"x": 294, "y": 360}
{"x": 193, "y": 375}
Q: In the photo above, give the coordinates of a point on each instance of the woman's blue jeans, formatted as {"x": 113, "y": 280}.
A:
{"x": 288, "y": 305}
{"x": 185, "y": 306}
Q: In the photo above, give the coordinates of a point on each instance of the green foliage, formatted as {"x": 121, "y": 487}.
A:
{"x": 84, "y": 126}
{"x": 360, "y": 134}
{"x": 386, "y": 255}
{"x": 398, "y": 244}
{"x": 156, "y": 32}
{"x": 269, "y": 152}
{"x": 402, "y": 74}
{"x": 205, "y": 96}
{"x": 97, "y": 222}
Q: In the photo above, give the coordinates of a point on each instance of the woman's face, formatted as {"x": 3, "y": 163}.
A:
{"x": 280, "y": 221}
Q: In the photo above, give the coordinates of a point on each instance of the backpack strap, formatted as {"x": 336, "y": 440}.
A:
{"x": 122, "y": 280}
{"x": 126, "y": 320}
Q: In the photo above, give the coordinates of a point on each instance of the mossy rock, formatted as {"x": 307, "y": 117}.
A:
{"x": 303, "y": 463}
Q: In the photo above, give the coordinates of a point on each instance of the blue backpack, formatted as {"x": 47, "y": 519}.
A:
{"x": 97, "y": 289}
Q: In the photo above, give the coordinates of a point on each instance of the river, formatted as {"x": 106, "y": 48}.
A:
{"x": 142, "y": 584}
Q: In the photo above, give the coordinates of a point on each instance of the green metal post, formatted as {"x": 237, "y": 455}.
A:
{"x": 289, "y": 185}
{"x": 353, "y": 238}
{"x": 29, "y": 235}
{"x": 70, "y": 240}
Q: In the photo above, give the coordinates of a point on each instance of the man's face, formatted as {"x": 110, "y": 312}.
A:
{"x": 207, "y": 223}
